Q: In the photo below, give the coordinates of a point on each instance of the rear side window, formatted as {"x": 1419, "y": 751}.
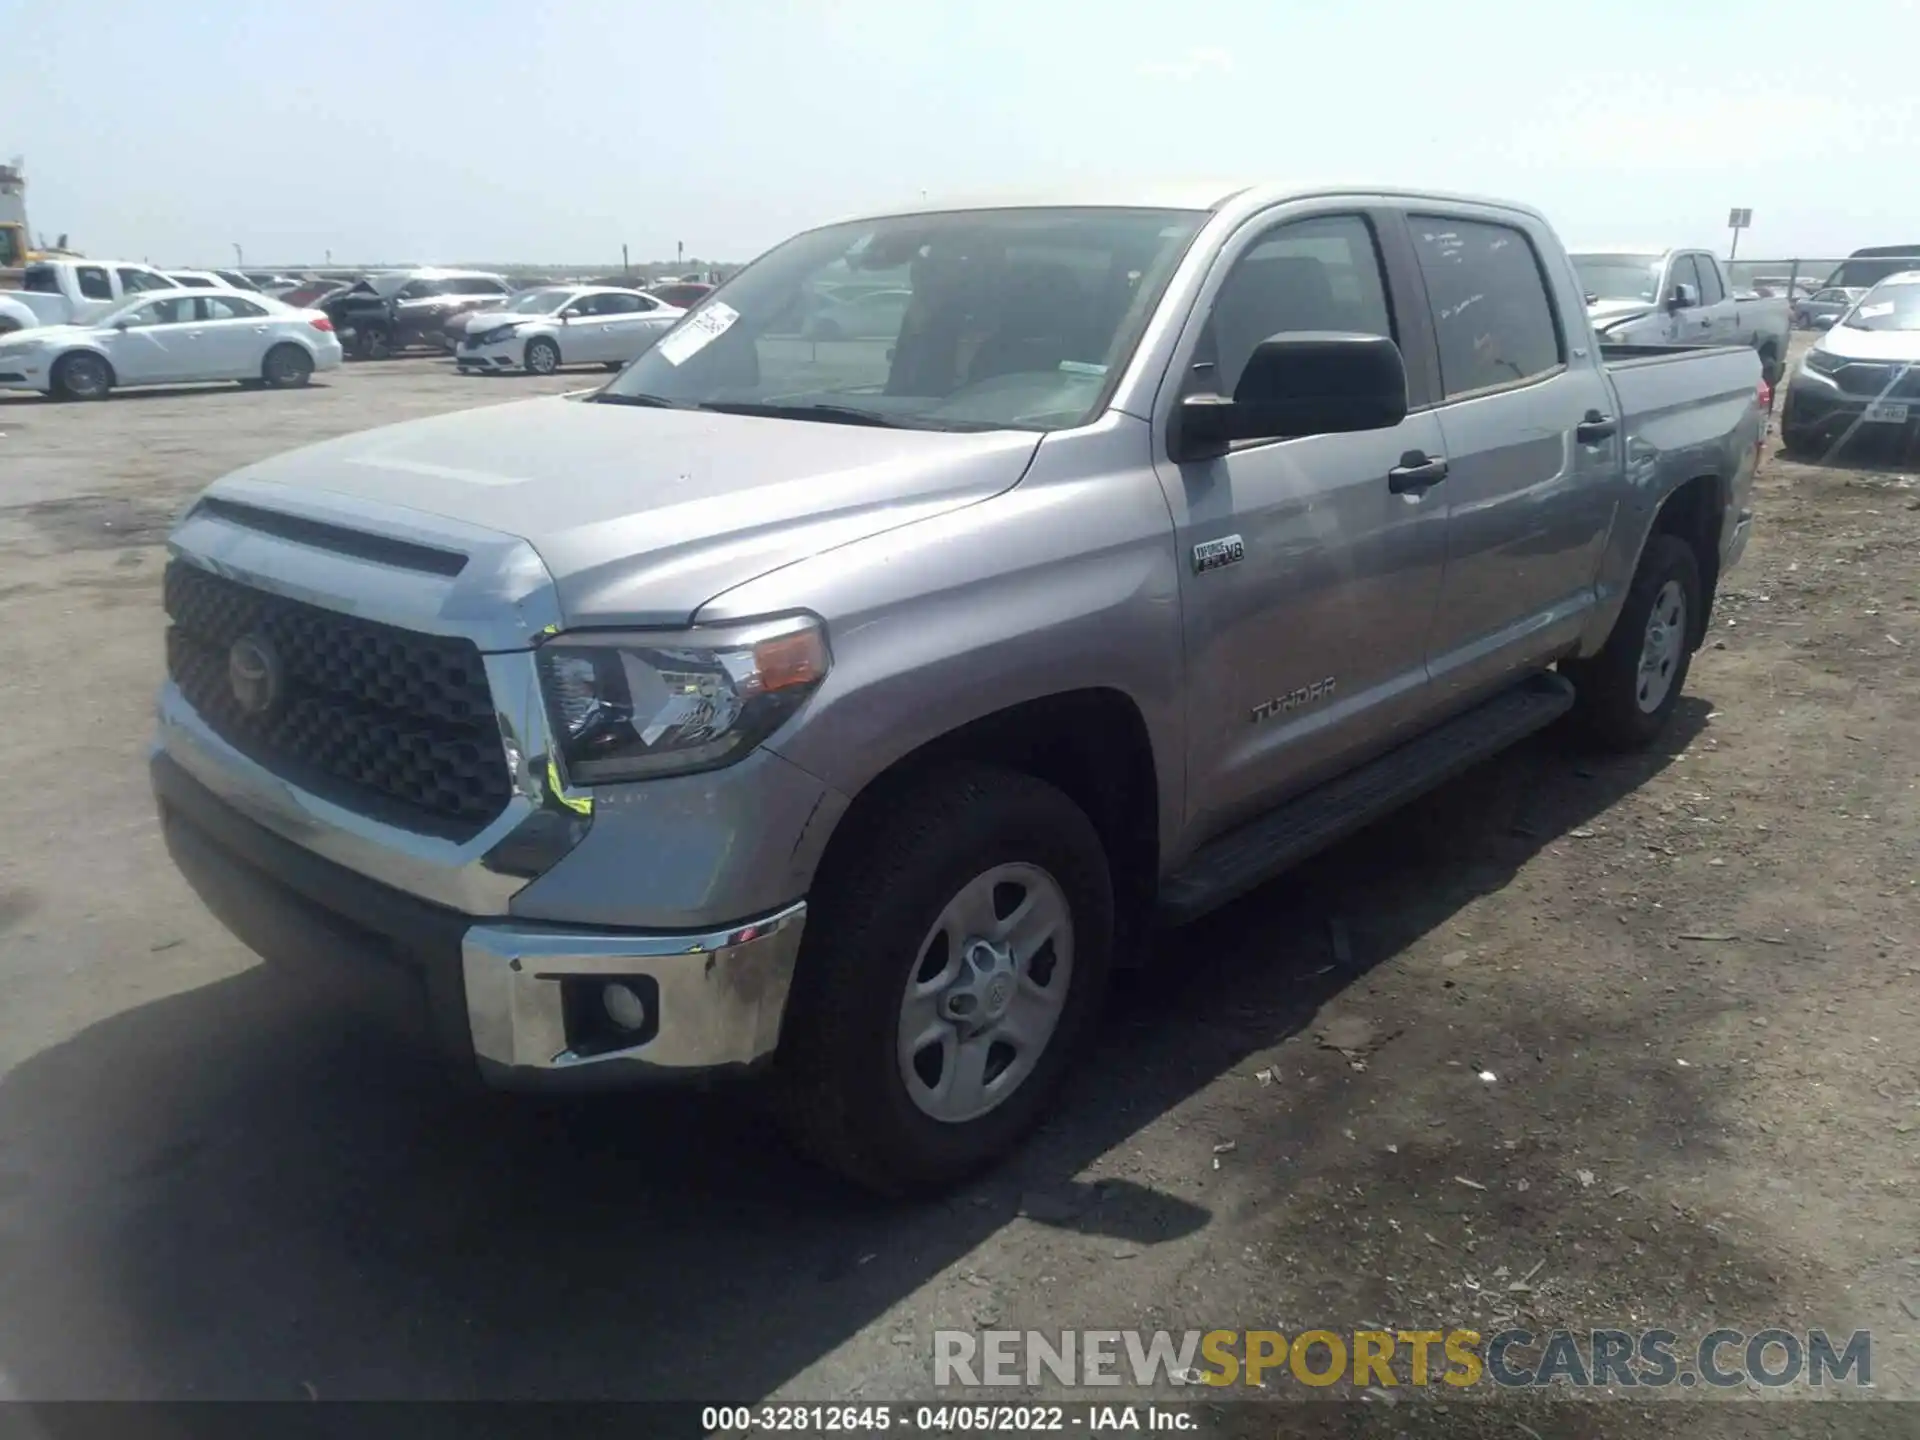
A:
{"x": 1712, "y": 292}
{"x": 41, "y": 280}
{"x": 477, "y": 287}
{"x": 93, "y": 282}
{"x": 230, "y": 307}
{"x": 134, "y": 281}
{"x": 1491, "y": 312}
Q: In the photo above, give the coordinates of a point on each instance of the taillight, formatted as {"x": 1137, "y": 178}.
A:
{"x": 1765, "y": 396}
{"x": 320, "y": 322}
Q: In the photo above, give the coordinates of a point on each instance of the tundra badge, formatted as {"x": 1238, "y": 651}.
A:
{"x": 1293, "y": 700}
{"x": 1213, "y": 554}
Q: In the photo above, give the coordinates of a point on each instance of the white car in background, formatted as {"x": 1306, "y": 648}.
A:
{"x": 569, "y": 325}
{"x": 197, "y": 280}
{"x": 175, "y": 337}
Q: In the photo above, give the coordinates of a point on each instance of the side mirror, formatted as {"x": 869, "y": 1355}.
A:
{"x": 122, "y": 325}
{"x": 1825, "y": 322}
{"x": 1299, "y": 383}
{"x": 1684, "y": 297}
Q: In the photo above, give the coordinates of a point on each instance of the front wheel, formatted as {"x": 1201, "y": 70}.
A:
{"x": 82, "y": 376}
{"x": 956, "y": 951}
{"x": 543, "y": 357}
{"x": 375, "y": 343}
{"x": 1628, "y": 692}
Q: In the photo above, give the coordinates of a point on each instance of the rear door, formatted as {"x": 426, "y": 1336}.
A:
{"x": 633, "y": 322}
{"x": 1721, "y": 310}
{"x": 1532, "y": 445}
{"x": 234, "y": 336}
{"x": 1307, "y": 583}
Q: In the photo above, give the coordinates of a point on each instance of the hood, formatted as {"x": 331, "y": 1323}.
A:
{"x": 457, "y": 324}
{"x": 48, "y": 334}
{"x": 1606, "y": 312}
{"x": 1850, "y": 344}
{"x": 641, "y": 516}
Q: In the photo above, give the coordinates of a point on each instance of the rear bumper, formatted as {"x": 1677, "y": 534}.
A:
{"x": 519, "y": 1006}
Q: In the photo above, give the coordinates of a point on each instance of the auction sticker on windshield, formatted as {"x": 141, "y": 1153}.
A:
{"x": 701, "y": 329}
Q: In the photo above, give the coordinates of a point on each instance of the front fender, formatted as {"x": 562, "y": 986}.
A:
{"x": 17, "y": 316}
{"x": 1066, "y": 582}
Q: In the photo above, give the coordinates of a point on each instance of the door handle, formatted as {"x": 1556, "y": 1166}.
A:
{"x": 1416, "y": 473}
{"x": 1594, "y": 428}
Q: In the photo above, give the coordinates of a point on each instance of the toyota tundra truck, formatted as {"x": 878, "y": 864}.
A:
{"x": 841, "y": 713}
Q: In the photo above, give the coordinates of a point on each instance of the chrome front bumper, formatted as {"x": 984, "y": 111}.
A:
{"x": 509, "y": 1000}
{"x": 717, "y": 998}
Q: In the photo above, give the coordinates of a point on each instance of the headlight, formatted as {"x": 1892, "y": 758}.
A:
{"x": 638, "y": 704}
{"x": 1823, "y": 362}
{"x": 496, "y": 335}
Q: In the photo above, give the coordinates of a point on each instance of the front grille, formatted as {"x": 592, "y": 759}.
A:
{"x": 1875, "y": 381}
{"x": 385, "y": 721}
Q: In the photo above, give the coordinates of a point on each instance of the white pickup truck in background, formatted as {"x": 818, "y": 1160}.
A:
{"x": 72, "y": 292}
{"x": 1667, "y": 297}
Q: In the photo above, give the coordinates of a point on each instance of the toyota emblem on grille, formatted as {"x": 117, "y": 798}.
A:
{"x": 253, "y": 670}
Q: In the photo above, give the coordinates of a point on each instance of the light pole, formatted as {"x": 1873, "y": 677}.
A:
{"x": 238, "y": 261}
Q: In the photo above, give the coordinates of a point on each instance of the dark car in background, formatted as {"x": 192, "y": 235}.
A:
{"x": 381, "y": 315}
{"x": 683, "y": 293}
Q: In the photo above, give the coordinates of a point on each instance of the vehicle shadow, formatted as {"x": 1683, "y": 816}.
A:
{"x": 240, "y": 1192}
{"x": 155, "y": 392}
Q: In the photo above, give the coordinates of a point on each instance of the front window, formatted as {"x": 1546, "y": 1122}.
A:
{"x": 991, "y": 319}
{"x": 11, "y": 250}
{"x": 1619, "y": 277}
{"x": 1887, "y": 307}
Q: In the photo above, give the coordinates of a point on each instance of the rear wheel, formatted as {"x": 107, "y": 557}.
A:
{"x": 286, "y": 367}
{"x": 82, "y": 376}
{"x": 956, "y": 952}
{"x": 375, "y": 343}
{"x": 1628, "y": 692}
{"x": 543, "y": 357}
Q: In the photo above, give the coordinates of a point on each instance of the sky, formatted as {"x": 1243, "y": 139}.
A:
{"x": 550, "y": 133}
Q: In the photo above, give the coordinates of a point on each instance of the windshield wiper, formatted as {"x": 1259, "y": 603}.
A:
{"x": 655, "y": 402}
{"x": 830, "y": 414}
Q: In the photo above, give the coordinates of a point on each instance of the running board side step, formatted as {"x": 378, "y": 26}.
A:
{"x": 1226, "y": 868}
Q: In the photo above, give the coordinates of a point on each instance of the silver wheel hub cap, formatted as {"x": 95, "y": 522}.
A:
{"x": 986, "y": 993}
{"x": 1662, "y": 647}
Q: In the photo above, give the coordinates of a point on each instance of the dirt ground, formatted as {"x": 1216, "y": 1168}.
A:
{"x": 1634, "y": 1036}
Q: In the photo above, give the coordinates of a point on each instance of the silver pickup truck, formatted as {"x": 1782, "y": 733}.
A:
{"x": 1681, "y": 297}
{"x": 842, "y": 711}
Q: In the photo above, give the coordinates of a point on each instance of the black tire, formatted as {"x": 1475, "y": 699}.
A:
{"x": 543, "y": 356}
{"x": 838, "y": 1078}
{"x": 82, "y": 376}
{"x": 374, "y": 343}
{"x": 1611, "y": 706}
{"x": 286, "y": 367}
{"x": 1795, "y": 445}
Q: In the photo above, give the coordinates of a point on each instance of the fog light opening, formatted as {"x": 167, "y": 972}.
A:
{"x": 624, "y": 1006}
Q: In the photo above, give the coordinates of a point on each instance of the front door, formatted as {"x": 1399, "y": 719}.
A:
{"x": 154, "y": 343}
{"x": 583, "y": 338}
{"x": 1307, "y": 583}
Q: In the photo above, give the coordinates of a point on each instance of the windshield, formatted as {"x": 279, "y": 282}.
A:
{"x": 1887, "y": 307}
{"x": 538, "y": 302}
{"x": 959, "y": 320}
{"x": 1619, "y": 277}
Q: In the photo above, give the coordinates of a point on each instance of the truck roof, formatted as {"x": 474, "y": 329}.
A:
{"x": 1170, "y": 195}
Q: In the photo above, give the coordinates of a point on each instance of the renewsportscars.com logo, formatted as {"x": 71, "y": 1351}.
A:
{"x": 1512, "y": 1358}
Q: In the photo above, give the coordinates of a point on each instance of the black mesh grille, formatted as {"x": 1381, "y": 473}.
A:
{"x": 389, "y": 722}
